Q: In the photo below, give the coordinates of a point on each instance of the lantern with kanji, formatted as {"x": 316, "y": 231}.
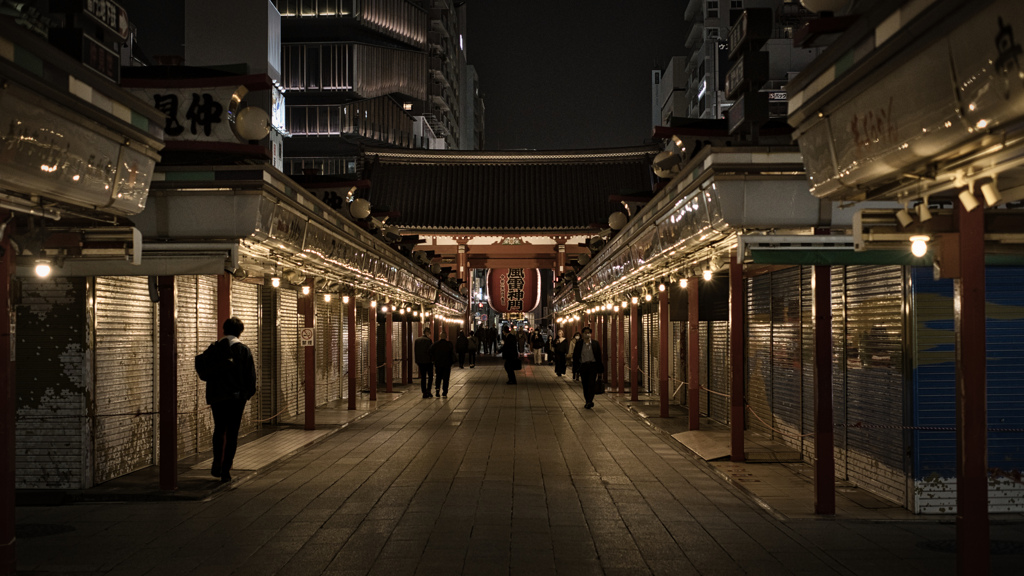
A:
{"x": 513, "y": 289}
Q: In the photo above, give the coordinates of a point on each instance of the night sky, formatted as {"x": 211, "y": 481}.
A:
{"x": 561, "y": 74}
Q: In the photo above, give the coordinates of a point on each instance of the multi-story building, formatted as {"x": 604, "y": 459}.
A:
{"x": 378, "y": 72}
{"x": 693, "y": 84}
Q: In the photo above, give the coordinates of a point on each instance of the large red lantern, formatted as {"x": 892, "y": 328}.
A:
{"x": 513, "y": 289}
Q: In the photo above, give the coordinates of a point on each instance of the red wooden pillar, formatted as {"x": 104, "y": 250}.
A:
{"x": 8, "y": 398}
{"x": 389, "y": 348}
{"x": 622, "y": 350}
{"x": 737, "y": 417}
{"x": 371, "y": 350}
{"x": 693, "y": 360}
{"x": 972, "y": 523}
{"x": 168, "y": 384}
{"x": 634, "y": 324}
{"x": 353, "y": 352}
{"x": 824, "y": 431}
{"x": 663, "y": 322}
{"x": 603, "y": 324}
{"x": 223, "y": 301}
{"x": 308, "y": 305}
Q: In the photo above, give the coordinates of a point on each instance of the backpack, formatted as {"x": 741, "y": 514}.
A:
{"x": 216, "y": 366}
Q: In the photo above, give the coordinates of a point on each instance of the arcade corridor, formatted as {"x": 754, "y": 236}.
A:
{"x": 494, "y": 479}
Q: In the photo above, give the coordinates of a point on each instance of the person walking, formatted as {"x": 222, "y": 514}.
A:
{"x": 474, "y": 345}
{"x": 572, "y": 348}
{"x": 230, "y": 374}
{"x": 587, "y": 354}
{"x": 560, "y": 349}
{"x": 538, "y": 348}
{"x": 461, "y": 347}
{"x": 442, "y": 354}
{"x": 510, "y": 353}
{"x": 421, "y": 353}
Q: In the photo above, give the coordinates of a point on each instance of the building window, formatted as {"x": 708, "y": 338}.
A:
{"x": 712, "y": 7}
{"x": 736, "y": 4}
{"x": 711, "y": 32}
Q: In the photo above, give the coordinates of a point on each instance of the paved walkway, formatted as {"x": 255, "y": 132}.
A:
{"x": 494, "y": 479}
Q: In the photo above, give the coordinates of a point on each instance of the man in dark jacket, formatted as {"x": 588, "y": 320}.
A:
{"x": 461, "y": 347}
{"x": 441, "y": 353}
{"x": 510, "y": 353}
{"x": 421, "y": 353}
{"x": 228, "y": 402}
{"x": 587, "y": 355}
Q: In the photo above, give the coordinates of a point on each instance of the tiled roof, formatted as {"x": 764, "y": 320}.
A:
{"x": 505, "y": 190}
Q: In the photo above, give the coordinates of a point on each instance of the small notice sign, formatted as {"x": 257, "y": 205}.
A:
{"x": 306, "y": 336}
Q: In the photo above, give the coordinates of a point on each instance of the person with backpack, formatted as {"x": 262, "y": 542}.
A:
{"x": 228, "y": 368}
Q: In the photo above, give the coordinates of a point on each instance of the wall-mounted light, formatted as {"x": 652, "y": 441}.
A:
{"x": 275, "y": 282}
{"x": 967, "y": 199}
{"x": 327, "y": 298}
{"x": 616, "y": 308}
{"x": 919, "y": 245}
{"x": 373, "y": 303}
{"x": 305, "y": 290}
{"x": 682, "y": 282}
{"x": 708, "y": 274}
{"x": 345, "y": 299}
{"x": 43, "y": 268}
{"x": 904, "y": 217}
{"x": 661, "y": 287}
{"x": 384, "y": 309}
{"x": 634, "y": 300}
{"x": 625, "y": 304}
{"x": 990, "y": 193}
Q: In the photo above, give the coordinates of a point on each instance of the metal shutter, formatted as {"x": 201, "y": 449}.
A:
{"x": 842, "y": 355}
{"x": 363, "y": 335}
{"x": 874, "y": 327}
{"x": 677, "y": 366}
{"x": 328, "y": 332}
{"x": 1004, "y": 339}
{"x": 759, "y": 352}
{"x": 125, "y": 403}
{"x": 196, "y": 303}
{"x": 786, "y": 353}
{"x": 651, "y": 348}
{"x": 52, "y": 429}
{"x": 290, "y": 355}
{"x": 627, "y": 350}
{"x": 705, "y": 401}
{"x": 245, "y": 304}
{"x": 718, "y": 368}
{"x": 807, "y": 361}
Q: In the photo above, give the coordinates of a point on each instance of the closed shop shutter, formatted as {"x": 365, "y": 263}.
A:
{"x": 328, "y": 362}
{"x": 718, "y": 381}
{"x": 807, "y": 360}
{"x": 245, "y": 304}
{"x": 363, "y": 336}
{"x": 935, "y": 389}
{"x": 677, "y": 365}
{"x": 842, "y": 354}
{"x": 652, "y": 344}
{"x": 290, "y": 357}
{"x": 52, "y": 426}
{"x": 196, "y": 298}
{"x": 396, "y": 348}
{"x": 125, "y": 405}
{"x": 759, "y": 352}
{"x": 786, "y": 354}
{"x": 875, "y": 393}
{"x": 705, "y": 401}
{"x": 627, "y": 350}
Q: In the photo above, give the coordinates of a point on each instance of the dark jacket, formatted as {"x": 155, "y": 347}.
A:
{"x": 577, "y": 353}
{"x": 421, "y": 350}
{"x": 243, "y": 382}
{"x": 441, "y": 353}
{"x": 461, "y": 343}
{"x": 510, "y": 348}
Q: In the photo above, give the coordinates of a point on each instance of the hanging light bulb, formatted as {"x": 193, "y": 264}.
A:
{"x": 625, "y": 304}
{"x": 305, "y": 290}
{"x": 43, "y": 268}
{"x": 707, "y": 274}
{"x": 634, "y": 300}
{"x": 344, "y": 299}
{"x": 661, "y": 287}
{"x": 682, "y": 282}
{"x": 384, "y": 309}
{"x": 373, "y": 303}
{"x": 275, "y": 282}
{"x": 919, "y": 245}
{"x": 327, "y": 298}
